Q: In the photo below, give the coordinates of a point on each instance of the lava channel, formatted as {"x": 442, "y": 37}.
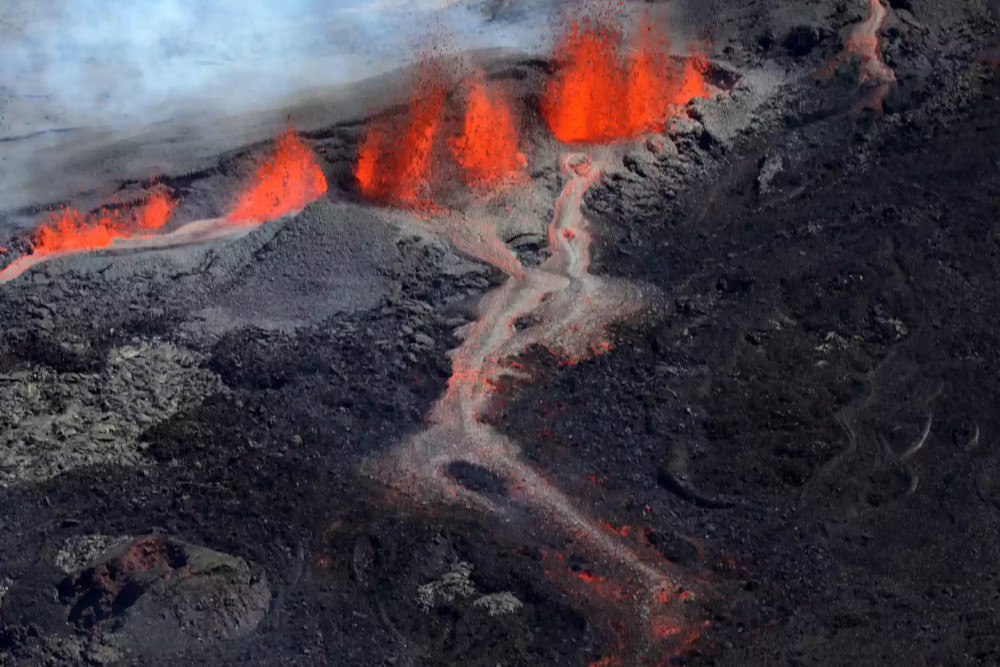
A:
{"x": 572, "y": 309}
{"x": 864, "y": 43}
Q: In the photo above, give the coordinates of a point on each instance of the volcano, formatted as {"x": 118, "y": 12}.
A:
{"x": 664, "y": 342}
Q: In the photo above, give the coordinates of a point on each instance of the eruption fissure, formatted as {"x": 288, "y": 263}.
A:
{"x": 608, "y": 89}
{"x": 570, "y": 310}
{"x": 283, "y": 184}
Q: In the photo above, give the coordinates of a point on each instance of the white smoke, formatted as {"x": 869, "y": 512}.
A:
{"x": 145, "y": 60}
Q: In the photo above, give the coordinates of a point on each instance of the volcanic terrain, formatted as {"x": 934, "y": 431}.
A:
{"x": 673, "y": 346}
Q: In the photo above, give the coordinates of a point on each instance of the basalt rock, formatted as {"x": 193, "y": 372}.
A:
{"x": 157, "y": 594}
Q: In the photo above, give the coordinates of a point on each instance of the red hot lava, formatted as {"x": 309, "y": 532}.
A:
{"x": 288, "y": 180}
{"x": 607, "y": 89}
{"x": 398, "y": 161}
{"x": 70, "y": 231}
{"x": 394, "y": 161}
{"x": 487, "y": 147}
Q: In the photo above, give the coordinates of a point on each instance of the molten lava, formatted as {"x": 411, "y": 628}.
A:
{"x": 68, "y": 230}
{"x": 157, "y": 210}
{"x": 288, "y": 180}
{"x": 600, "y": 93}
{"x": 864, "y": 44}
{"x": 395, "y": 158}
{"x": 487, "y": 146}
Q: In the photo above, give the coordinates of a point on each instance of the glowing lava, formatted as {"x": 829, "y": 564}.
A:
{"x": 395, "y": 157}
{"x": 487, "y": 146}
{"x": 287, "y": 181}
{"x": 68, "y": 230}
{"x": 570, "y": 310}
{"x": 864, "y": 43}
{"x": 600, "y": 93}
{"x": 156, "y": 212}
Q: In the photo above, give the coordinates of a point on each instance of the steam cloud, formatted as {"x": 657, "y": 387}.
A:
{"x": 113, "y": 62}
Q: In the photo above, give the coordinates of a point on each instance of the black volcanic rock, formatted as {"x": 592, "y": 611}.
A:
{"x": 802, "y": 40}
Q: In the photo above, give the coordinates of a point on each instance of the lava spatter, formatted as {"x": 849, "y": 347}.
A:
{"x": 284, "y": 183}
{"x": 395, "y": 158}
{"x": 487, "y": 147}
{"x": 608, "y": 87}
{"x": 571, "y": 310}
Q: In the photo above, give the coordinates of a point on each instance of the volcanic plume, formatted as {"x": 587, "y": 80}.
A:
{"x": 285, "y": 182}
{"x": 608, "y": 87}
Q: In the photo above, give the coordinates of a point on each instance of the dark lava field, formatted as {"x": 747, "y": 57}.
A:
{"x": 803, "y": 421}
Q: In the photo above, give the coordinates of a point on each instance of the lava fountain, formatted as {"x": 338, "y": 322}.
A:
{"x": 395, "y": 157}
{"x": 284, "y": 183}
{"x": 608, "y": 88}
{"x": 401, "y": 161}
{"x": 487, "y": 148}
{"x": 287, "y": 180}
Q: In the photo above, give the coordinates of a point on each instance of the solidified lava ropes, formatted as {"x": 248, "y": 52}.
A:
{"x": 285, "y": 182}
{"x": 609, "y": 88}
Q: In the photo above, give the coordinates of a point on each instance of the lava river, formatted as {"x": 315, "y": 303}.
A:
{"x": 570, "y": 309}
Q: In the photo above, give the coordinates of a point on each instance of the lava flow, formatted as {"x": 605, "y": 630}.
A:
{"x": 284, "y": 183}
{"x": 570, "y": 309}
{"x": 607, "y": 89}
{"x": 864, "y": 43}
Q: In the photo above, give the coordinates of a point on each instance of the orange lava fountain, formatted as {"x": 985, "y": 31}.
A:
{"x": 68, "y": 230}
{"x": 287, "y": 181}
{"x": 487, "y": 146}
{"x": 154, "y": 215}
{"x": 395, "y": 160}
{"x": 599, "y": 94}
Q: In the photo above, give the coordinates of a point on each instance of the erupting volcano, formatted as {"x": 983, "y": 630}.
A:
{"x": 287, "y": 180}
{"x": 400, "y": 161}
{"x": 395, "y": 158}
{"x": 608, "y": 87}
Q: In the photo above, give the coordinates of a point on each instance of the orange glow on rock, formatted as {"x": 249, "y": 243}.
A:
{"x": 606, "y": 89}
{"x": 487, "y": 146}
{"x": 287, "y": 181}
{"x": 395, "y": 158}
